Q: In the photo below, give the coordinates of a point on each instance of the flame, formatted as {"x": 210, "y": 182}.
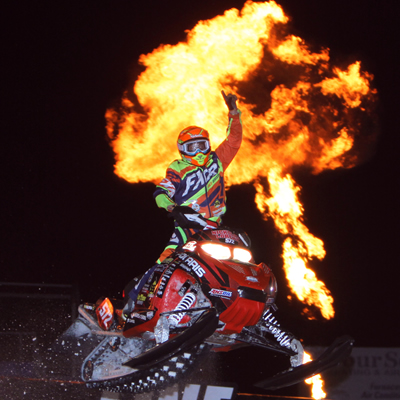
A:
{"x": 316, "y": 382}
{"x": 286, "y": 210}
{"x": 297, "y": 110}
{"x": 348, "y": 85}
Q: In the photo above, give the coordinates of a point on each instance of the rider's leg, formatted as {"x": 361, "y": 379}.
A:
{"x": 178, "y": 238}
{"x": 166, "y": 253}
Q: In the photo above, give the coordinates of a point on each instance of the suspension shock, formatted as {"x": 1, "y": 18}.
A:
{"x": 273, "y": 327}
{"x": 187, "y": 301}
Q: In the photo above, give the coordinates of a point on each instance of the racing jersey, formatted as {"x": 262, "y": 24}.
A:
{"x": 202, "y": 188}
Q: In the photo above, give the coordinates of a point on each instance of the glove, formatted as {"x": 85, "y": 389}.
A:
{"x": 163, "y": 201}
{"x": 178, "y": 214}
{"x": 230, "y": 101}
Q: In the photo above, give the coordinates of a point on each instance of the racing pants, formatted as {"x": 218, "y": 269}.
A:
{"x": 178, "y": 238}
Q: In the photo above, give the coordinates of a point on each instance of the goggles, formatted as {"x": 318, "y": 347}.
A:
{"x": 192, "y": 147}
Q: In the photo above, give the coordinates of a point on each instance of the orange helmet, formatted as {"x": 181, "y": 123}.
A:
{"x": 194, "y": 145}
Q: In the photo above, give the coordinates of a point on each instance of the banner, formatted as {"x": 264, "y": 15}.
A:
{"x": 188, "y": 392}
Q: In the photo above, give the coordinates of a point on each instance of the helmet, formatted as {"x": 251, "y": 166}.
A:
{"x": 194, "y": 145}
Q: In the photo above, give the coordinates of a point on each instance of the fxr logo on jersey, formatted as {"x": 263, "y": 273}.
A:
{"x": 200, "y": 178}
{"x": 105, "y": 314}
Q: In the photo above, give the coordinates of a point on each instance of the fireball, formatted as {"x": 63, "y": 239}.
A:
{"x": 298, "y": 110}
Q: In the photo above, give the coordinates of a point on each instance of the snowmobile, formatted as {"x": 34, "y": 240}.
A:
{"x": 209, "y": 295}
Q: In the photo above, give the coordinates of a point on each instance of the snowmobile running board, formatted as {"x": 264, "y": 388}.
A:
{"x": 200, "y": 330}
{"x": 339, "y": 350}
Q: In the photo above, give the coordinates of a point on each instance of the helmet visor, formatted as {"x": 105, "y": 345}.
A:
{"x": 193, "y": 147}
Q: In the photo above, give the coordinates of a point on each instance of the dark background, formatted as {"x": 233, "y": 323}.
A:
{"x": 67, "y": 218}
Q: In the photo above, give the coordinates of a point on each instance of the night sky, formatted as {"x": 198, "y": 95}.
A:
{"x": 67, "y": 218}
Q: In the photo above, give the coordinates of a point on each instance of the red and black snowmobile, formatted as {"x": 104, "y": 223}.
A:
{"x": 209, "y": 295}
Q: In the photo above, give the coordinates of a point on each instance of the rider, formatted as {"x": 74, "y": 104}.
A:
{"x": 197, "y": 180}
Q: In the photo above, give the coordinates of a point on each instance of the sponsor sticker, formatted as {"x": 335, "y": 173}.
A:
{"x": 193, "y": 264}
{"x": 191, "y": 246}
{"x": 139, "y": 316}
{"x": 220, "y": 293}
{"x": 105, "y": 314}
{"x": 223, "y": 234}
{"x": 165, "y": 279}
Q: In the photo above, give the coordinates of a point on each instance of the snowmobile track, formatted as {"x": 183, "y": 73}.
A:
{"x": 156, "y": 378}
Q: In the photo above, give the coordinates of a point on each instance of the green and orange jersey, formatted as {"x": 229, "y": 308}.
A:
{"x": 202, "y": 188}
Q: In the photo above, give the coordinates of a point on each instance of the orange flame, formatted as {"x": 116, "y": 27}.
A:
{"x": 308, "y": 115}
{"x": 297, "y": 110}
{"x": 348, "y": 85}
{"x": 286, "y": 211}
{"x": 316, "y": 382}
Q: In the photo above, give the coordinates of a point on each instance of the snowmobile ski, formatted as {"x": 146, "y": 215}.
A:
{"x": 339, "y": 350}
{"x": 190, "y": 337}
